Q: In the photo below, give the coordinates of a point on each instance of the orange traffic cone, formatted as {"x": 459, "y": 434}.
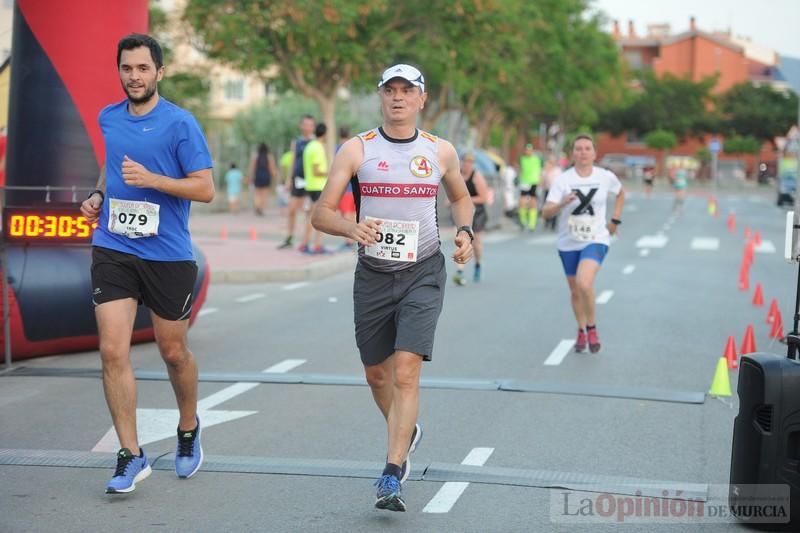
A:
{"x": 777, "y": 328}
{"x": 744, "y": 279}
{"x": 730, "y": 353}
{"x": 748, "y": 342}
{"x": 749, "y": 252}
{"x": 731, "y": 222}
{"x": 747, "y": 234}
{"x": 223, "y": 233}
{"x": 757, "y": 238}
{"x": 773, "y": 310}
{"x": 758, "y": 296}
{"x": 253, "y": 234}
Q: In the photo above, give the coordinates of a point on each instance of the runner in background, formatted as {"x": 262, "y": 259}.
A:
{"x": 578, "y": 197}
{"x": 530, "y": 170}
{"x": 479, "y": 193}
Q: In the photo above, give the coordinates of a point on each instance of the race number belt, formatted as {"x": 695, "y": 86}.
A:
{"x": 397, "y": 241}
{"x": 583, "y": 228}
{"x": 132, "y": 218}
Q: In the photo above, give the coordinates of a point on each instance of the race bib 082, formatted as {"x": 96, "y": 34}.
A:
{"x": 397, "y": 241}
{"x": 132, "y": 218}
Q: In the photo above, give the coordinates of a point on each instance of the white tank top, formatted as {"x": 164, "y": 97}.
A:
{"x": 399, "y": 180}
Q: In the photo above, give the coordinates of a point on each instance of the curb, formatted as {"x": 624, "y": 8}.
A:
{"x": 314, "y": 271}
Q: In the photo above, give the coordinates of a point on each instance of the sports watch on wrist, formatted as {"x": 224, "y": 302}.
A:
{"x": 468, "y": 230}
{"x": 616, "y": 221}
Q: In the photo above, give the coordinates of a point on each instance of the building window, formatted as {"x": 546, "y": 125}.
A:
{"x": 634, "y": 59}
{"x": 234, "y": 90}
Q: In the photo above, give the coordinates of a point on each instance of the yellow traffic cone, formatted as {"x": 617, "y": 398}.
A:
{"x": 721, "y": 384}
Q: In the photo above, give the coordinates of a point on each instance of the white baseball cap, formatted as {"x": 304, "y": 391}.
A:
{"x": 407, "y": 72}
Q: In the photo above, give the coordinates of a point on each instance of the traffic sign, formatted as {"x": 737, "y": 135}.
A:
{"x": 714, "y": 146}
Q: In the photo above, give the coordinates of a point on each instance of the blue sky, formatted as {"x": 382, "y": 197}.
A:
{"x": 771, "y": 23}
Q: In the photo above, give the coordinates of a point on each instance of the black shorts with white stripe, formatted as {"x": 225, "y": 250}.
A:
{"x": 166, "y": 287}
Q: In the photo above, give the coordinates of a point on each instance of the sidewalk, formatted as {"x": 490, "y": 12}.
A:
{"x": 243, "y": 248}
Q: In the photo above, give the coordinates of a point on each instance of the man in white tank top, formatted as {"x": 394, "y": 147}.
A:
{"x": 396, "y": 171}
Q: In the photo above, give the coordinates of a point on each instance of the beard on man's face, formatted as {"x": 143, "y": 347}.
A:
{"x": 149, "y": 92}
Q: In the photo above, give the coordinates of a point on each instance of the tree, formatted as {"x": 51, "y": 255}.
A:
{"x": 186, "y": 89}
{"x": 758, "y": 111}
{"x": 678, "y": 105}
{"x": 743, "y": 145}
{"x": 661, "y": 140}
{"x": 316, "y": 48}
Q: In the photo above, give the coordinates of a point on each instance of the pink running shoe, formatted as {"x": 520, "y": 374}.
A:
{"x": 594, "y": 341}
{"x": 580, "y": 344}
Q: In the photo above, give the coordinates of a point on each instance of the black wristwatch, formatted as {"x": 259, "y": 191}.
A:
{"x": 468, "y": 230}
{"x": 97, "y": 191}
{"x": 616, "y": 221}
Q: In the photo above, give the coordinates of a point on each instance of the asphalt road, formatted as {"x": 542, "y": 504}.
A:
{"x": 673, "y": 302}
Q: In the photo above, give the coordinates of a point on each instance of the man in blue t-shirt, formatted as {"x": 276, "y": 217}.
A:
{"x": 157, "y": 163}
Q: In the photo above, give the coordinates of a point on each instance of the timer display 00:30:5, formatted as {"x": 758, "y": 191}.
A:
{"x": 30, "y": 225}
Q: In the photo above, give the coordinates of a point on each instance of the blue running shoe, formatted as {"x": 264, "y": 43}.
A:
{"x": 389, "y": 496}
{"x": 130, "y": 469}
{"x": 405, "y": 468}
{"x": 189, "y": 454}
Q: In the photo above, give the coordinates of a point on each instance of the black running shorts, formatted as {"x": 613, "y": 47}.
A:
{"x": 528, "y": 192}
{"x": 398, "y": 310}
{"x": 166, "y": 287}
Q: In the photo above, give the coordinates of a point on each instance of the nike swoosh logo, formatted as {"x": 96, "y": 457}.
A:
{"x": 148, "y": 129}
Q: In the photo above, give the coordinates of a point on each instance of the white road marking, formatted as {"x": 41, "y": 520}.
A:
{"x": 644, "y": 252}
{"x": 250, "y": 297}
{"x": 652, "y": 241}
{"x": 158, "y": 424}
{"x": 333, "y": 300}
{"x": 604, "y": 297}
{"x": 766, "y": 247}
{"x": 628, "y": 269}
{"x": 559, "y": 352}
{"x": 451, "y": 491}
{"x": 284, "y": 366}
{"x": 207, "y": 311}
{"x": 493, "y": 238}
{"x": 543, "y": 239}
{"x": 293, "y": 286}
{"x": 705, "y": 243}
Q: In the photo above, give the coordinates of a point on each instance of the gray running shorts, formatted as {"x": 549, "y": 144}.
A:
{"x": 398, "y": 310}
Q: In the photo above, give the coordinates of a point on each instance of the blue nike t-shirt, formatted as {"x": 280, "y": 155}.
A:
{"x": 166, "y": 141}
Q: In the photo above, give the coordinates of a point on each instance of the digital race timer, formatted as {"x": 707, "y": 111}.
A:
{"x": 46, "y": 225}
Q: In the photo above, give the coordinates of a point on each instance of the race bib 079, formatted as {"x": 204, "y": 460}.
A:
{"x": 397, "y": 241}
{"x": 132, "y": 218}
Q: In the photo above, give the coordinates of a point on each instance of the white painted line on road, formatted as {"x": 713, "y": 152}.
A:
{"x": 652, "y": 241}
{"x": 221, "y": 396}
{"x": 450, "y": 492}
{"x": 207, "y": 311}
{"x": 284, "y": 366}
{"x": 644, "y": 252}
{"x": 766, "y": 247}
{"x": 705, "y": 243}
{"x": 293, "y": 286}
{"x": 493, "y": 238}
{"x": 159, "y": 424}
{"x": 604, "y": 297}
{"x": 543, "y": 239}
{"x": 628, "y": 269}
{"x": 250, "y": 297}
{"x": 559, "y": 352}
